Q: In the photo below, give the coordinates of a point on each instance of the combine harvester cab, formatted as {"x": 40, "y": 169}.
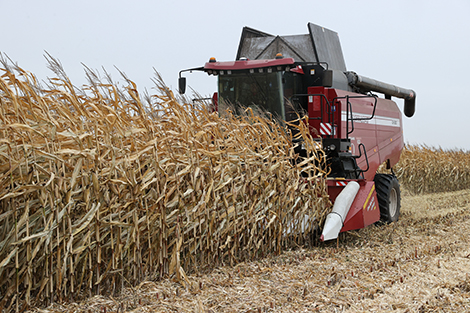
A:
{"x": 358, "y": 130}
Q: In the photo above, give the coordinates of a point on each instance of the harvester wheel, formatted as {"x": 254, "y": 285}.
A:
{"x": 388, "y": 194}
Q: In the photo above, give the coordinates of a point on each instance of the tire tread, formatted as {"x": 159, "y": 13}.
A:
{"x": 383, "y": 186}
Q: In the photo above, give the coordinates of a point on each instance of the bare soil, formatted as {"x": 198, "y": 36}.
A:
{"x": 419, "y": 264}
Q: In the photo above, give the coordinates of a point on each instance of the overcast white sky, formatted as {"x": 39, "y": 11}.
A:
{"x": 416, "y": 44}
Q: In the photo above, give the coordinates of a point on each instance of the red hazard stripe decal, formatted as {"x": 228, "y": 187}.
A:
{"x": 325, "y": 129}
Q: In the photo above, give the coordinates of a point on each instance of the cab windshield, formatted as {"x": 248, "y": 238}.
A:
{"x": 260, "y": 91}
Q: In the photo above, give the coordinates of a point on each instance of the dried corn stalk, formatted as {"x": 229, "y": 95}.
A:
{"x": 425, "y": 169}
{"x": 99, "y": 190}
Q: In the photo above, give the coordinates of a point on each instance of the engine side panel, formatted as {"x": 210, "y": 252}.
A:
{"x": 381, "y": 132}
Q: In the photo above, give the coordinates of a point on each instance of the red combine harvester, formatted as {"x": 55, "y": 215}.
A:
{"x": 359, "y": 130}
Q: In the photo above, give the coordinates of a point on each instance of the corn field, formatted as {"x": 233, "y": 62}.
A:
{"x": 102, "y": 188}
{"x": 424, "y": 169}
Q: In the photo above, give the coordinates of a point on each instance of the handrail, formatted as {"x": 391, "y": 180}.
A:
{"x": 365, "y": 155}
{"x": 349, "y": 112}
{"x": 329, "y": 113}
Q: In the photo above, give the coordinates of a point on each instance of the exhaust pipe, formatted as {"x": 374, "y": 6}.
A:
{"x": 369, "y": 84}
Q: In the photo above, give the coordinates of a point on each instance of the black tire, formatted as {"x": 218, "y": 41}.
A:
{"x": 388, "y": 195}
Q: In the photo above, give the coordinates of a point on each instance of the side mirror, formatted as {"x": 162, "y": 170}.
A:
{"x": 182, "y": 85}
